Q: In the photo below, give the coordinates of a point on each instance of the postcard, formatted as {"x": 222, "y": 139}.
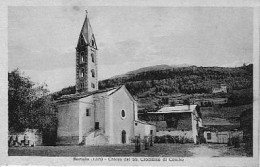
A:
{"x": 131, "y": 84}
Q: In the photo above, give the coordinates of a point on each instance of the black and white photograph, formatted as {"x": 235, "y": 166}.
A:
{"x": 131, "y": 83}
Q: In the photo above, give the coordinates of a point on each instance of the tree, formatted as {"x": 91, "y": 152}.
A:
{"x": 186, "y": 101}
{"x": 29, "y": 105}
{"x": 173, "y": 103}
{"x": 64, "y": 91}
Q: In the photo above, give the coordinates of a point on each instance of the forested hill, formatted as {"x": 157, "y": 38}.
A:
{"x": 164, "y": 80}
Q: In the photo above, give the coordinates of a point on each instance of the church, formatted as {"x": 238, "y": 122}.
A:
{"x": 92, "y": 116}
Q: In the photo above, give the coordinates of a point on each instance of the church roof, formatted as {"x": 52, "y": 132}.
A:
{"x": 145, "y": 122}
{"x": 76, "y": 96}
{"x": 86, "y": 94}
{"x": 87, "y": 32}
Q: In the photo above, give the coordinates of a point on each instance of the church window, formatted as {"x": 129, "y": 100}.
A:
{"x": 123, "y": 114}
{"x": 92, "y": 57}
{"x": 82, "y": 57}
{"x": 82, "y": 73}
{"x": 93, "y": 73}
{"x": 81, "y": 86}
{"x": 93, "y": 43}
{"x": 136, "y": 124}
{"x": 87, "y": 112}
{"x": 92, "y": 85}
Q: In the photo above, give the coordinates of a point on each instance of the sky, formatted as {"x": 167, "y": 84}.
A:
{"x": 42, "y": 40}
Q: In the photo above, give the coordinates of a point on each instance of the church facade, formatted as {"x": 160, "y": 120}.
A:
{"x": 92, "y": 116}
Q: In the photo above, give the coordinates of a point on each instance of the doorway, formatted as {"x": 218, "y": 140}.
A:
{"x": 123, "y": 136}
{"x": 96, "y": 125}
{"x": 222, "y": 138}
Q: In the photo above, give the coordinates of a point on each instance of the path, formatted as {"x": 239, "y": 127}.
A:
{"x": 205, "y": 151}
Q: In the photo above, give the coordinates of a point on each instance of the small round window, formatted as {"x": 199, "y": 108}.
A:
{"x": 123, "y": 114}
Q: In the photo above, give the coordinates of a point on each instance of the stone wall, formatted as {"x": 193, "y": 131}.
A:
{"x": 34, "y": 136}
{"x": 187, "y": 134}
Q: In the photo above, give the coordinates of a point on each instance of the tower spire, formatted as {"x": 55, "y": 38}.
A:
{"x": 86, "y": 61}
{"x": 87, "y": 33}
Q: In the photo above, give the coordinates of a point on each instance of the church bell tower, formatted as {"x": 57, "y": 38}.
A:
{"x": 86, "y": 59}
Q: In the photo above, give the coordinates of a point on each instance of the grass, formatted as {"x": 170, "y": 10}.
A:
{"x": 115, "y": 150}
{"x": 158, "y": 150}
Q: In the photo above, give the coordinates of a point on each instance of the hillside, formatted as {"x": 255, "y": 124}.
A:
{"x": 154, "y": 86}
{"x": 228, "y": 114}
{"x": 165, "y": 80}
{"x": 149, "y": 69}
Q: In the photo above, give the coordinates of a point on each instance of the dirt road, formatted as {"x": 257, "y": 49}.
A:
{"x": 205, "y": 151}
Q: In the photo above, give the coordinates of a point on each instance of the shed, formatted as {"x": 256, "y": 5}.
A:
{"x": 178, "y": 120}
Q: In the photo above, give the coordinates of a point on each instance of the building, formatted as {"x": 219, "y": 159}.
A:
{"x": 92, "y": 116}
{"x": 220, "y": 130}
{"x": 209, "y": 102}
{"x": 221, "y": 136}
{"x": 182, "y": 120}
{"x": 109, "y": 112}
{"x": 220, "y": 88}
{"x": 143, "y": 129}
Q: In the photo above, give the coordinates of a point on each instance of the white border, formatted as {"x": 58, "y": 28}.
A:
{"x": 4, "y": 159}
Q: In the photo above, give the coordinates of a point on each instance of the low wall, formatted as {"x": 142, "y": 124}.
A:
{"x": 33, "y": 136}
{"x": 187, "y": 134}
{"x": 95, "y": 138}
{"x": 222, "y": 137}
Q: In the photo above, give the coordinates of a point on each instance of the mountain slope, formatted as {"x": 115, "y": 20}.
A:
{"x": 163, "y": 79}
{"x": 149, "y": 69}
{"x": 156, "y": 84}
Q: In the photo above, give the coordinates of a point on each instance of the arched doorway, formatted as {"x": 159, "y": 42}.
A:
{"x": 123, "y": 136}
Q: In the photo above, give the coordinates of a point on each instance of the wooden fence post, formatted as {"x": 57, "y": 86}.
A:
{"x": 137, "y": 144}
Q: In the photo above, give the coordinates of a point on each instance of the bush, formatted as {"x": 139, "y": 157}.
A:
{"x": 236, "y": 141}
{"x": 172, "y": 139}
